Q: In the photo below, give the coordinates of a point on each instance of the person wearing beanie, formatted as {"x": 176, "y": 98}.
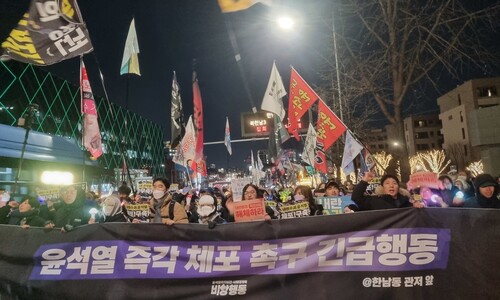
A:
{"x": 391, "y": 197}
{"x": 27, "y": 214}
{"x": 487, "y": 193}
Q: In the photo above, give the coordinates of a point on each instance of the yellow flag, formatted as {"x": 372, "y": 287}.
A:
{"x": 228, "y": 6}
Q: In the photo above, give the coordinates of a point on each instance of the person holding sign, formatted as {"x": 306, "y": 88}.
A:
{"x": 166, "y": 210}
{"x": 304, "y": 193}
{"x": 392, "y": 196}
{"x": 250, "y": 192}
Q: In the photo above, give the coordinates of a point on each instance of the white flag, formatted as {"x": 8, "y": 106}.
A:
{"x": 130, "y": 60}
{"x": 186, "y": 150}
{"x": 351, "y": 150}
{"x": 309, "y": 146}
{"x": 274, "y": 92}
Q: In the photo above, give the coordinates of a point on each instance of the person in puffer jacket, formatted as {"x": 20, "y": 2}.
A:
{"x": 390, "y": 194}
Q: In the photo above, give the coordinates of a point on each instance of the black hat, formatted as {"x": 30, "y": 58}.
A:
{"x": 484, "y": 180}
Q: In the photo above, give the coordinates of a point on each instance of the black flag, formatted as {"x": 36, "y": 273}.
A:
{"x": 177, "y": 126}
{"x": 51, "y": 31}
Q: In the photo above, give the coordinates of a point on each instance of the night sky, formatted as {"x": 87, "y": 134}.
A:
{"x": 171, "y": 34}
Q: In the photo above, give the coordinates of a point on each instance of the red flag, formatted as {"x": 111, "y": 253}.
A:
{"x": 198, "y": 120}
{"x": 320, "y": 157}
{"x": 91, "y": 133}
{"x": 329, "y": 127}
{"x": 302, "y": 97}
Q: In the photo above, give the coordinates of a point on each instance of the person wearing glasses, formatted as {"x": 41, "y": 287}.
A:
{"x": 251, "y": 192}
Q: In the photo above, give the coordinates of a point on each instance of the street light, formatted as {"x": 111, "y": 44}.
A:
{"x": 285, "y": 22}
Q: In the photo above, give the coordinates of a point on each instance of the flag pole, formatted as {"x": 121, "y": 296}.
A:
{"x": 111, "y": 111}
{"x": 364, "y": 146}
{"x": 237, "y": 57}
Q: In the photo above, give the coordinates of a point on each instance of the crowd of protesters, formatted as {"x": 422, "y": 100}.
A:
{"x": 213, "y": 206}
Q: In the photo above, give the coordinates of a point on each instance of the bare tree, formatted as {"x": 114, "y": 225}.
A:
{"x": 389, "y": 47}
{"x": 456, "y": 153}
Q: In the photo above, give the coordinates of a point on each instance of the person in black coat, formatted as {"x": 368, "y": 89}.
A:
{"x": 391, "y": 197}
{"x": 6, "y": 210}
{"x": 74, "y": 212}
{"x": 487, "y": 193}
{"x": 27, "y": 214}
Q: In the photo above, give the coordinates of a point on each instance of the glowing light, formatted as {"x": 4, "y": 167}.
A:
{"x": 285, "y": 22}
{"x": 383, "y": 160}
{"x": 57, "y": 178}
{"x": 435, "y": 160}
{"x": 476, "y": 168}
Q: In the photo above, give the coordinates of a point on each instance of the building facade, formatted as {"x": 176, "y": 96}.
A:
{"x": 57, "y": 113}
{"x": 469, "y": 116}
{"x": 423, "y": 133}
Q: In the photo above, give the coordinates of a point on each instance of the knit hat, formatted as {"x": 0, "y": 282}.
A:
{"x": 484, "y": 180}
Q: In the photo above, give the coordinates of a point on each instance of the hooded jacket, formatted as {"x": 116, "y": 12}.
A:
{"x": 379, "y": 200}
{"x": 480, "y": 201}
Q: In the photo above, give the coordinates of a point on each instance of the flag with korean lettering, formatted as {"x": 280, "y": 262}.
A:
{"x": 186, "y": 150}
{"x": 301, "y": 98}
{"x": 50, "y": 32}
{"x": 130, "y": 60}
{"x": 274, "y": 92}
{"x": 91, "y": 132}
{"x": 351, "y": 149}
{"x": 329, "y": 127}
{"x": 176, "y": 115}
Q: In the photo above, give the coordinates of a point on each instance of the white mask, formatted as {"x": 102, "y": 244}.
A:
{"x": 205, "y": 210}
{"x": 464, "y": 178}
{"x": 157, "y": 194}
{"x": 298, "y": 197}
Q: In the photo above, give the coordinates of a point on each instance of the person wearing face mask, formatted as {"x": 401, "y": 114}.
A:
{"x": 207, "y": 211}
{"x": 112, "y": 210}
{"x": 391, "y": 195}
{"x": 165, "y": 210}
{"x": 304, "y": 193}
